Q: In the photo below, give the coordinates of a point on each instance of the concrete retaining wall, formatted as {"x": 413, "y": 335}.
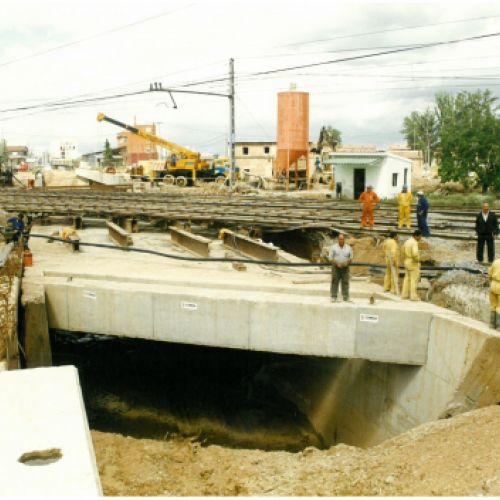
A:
{"x": 363, "y": 403}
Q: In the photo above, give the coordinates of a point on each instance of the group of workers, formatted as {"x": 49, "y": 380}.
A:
{"x": 369, "y": 201}
{"x": 341, "y": 254}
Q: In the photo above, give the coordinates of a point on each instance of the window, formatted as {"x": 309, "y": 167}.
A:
{"x": 405, "y": 181}
{"x": 267, "y": 149}
{"x": 245, "y": 150}
{"x": 394, "y": 180}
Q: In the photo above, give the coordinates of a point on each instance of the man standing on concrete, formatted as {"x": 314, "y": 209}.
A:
{"x": 494, "y": 274}
{"x": 422, "y": 212}
{"x": 391, "y": 251}
{"x": 486, "y": 229}
{"x": 369, "y": 200}
{"x": 341, "y": 258}
{"x": 404, "y": 203}
{"x": 411, "y": 257}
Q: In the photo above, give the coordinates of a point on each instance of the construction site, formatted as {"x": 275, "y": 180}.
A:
{"x": 170, "y": 324}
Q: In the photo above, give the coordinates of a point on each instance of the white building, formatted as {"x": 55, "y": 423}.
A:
{"x": 63, "y": 152}
{"x": 256, "y": 158}
{"x": 387, "y": 173}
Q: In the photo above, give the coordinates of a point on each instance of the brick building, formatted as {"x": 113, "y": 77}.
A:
{"x": 134, "y": 148}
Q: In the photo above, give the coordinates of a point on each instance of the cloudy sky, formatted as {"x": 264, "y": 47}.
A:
{"x": 55, "y": 52}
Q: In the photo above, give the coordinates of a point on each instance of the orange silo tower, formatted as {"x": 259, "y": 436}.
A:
{"x": 292, "y": 148}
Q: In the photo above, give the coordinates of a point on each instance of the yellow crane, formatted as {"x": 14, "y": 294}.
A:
{"x": 183, "y": 166}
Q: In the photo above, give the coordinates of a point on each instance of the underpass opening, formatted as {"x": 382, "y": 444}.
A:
{"x": 159, "y": 390}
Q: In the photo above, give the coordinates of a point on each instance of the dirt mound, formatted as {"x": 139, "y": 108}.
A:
{"x": 458, "y": 456}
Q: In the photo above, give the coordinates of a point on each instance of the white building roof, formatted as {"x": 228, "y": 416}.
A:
{"x": 367, "y": 159}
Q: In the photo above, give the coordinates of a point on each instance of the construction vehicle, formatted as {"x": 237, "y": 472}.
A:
{"x": 183, "y": 166}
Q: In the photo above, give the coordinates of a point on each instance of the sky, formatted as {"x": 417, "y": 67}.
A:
{"x": 55, "y": 52}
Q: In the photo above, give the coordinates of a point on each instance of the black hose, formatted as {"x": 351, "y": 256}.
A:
{"x": 247, "y": 261}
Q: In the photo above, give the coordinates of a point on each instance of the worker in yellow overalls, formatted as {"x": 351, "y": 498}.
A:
{"x": 494, "y": 274}
{"x": 391, "y": 251}
{"x": 411, "y": 262}
{"x": 404, "y": 204}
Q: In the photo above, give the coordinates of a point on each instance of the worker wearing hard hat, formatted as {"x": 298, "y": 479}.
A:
{"x": 369, "y": 200}
{"x": 411, "y": 262}
{"x": 392, "y": 252}
{"x": 65, "y": 233}
{"x": 404, "y": 203}
{"x": 494, "y": 274}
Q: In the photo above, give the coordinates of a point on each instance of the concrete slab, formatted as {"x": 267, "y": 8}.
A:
{"x": 233, "y": 318}
{"x": 209, "y": 303}
{"x": 45, "y": 444}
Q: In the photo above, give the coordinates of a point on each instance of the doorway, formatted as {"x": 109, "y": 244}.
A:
{"x": 359, "y": 181}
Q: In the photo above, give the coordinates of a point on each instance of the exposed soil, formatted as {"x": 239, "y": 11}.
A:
{"x": 458, "y": 456}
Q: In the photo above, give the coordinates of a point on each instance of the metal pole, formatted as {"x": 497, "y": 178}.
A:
{"x": 231, "y": 121}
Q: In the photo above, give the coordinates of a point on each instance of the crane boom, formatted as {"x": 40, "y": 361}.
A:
{"x": 171, "y": 146}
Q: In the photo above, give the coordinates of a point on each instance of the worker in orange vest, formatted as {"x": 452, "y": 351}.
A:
{"x": 369, "y": 200}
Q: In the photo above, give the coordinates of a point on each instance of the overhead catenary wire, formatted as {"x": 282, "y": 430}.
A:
{"x": 91, "y": 37}
{"x": 179, "y": 88}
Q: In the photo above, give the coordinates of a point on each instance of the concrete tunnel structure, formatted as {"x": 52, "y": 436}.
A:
{"x": 394, "y": 364}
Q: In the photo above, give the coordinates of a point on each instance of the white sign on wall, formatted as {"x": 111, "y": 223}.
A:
{"x": 368, "y": 318}
{"x": 189, "y": 305}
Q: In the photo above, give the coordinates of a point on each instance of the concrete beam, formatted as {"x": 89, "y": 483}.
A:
{"x": 119, "y": 235}
{"x": 45, "y": 444}
{"x": 249, "y": 247}
{"x": 192, "y": 242}
{"x": 241, "y": 319}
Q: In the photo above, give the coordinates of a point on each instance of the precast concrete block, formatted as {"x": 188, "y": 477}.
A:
{"x": 131, "y": 313}
{"x": 392, "y": 335}
{"x": 56, "y": 299}
{"x": 45, "y": 444}
{"x": 302, "y": 328}
{"x": 201, "y": 319}
{"x": 88, "y": 308}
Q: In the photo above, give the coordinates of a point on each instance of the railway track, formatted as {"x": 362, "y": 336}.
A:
{"x": 275, "y": 212}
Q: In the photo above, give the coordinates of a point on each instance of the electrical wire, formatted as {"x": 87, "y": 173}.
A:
{"x": 91, "y": 37}
{"x": 245, "y": 261}
{"x": 391, "y": 30}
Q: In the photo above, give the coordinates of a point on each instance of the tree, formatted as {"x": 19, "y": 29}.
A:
{"x": 4, "y": 157}
{"x": 329, "y": 137}
{"x": 107, "y": 155}
{"x": 421, "y": 133}
{"x": 469, "y": 137}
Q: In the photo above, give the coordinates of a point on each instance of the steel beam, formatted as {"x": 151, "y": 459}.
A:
{"x": 119, "y": 235}
{"x": 249, "y": 247}
{"x": 192, "y": 242}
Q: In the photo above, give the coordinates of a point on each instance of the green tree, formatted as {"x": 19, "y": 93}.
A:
{"x": 329, "y": 136}
{"x": 469, "y": 137}
{"x": 107, "y": 155}
{"x": 3, "y": 153}
{"x": 420, "y": 131}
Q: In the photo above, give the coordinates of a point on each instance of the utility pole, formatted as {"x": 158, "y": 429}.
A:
{"x": 231, "y": 122}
